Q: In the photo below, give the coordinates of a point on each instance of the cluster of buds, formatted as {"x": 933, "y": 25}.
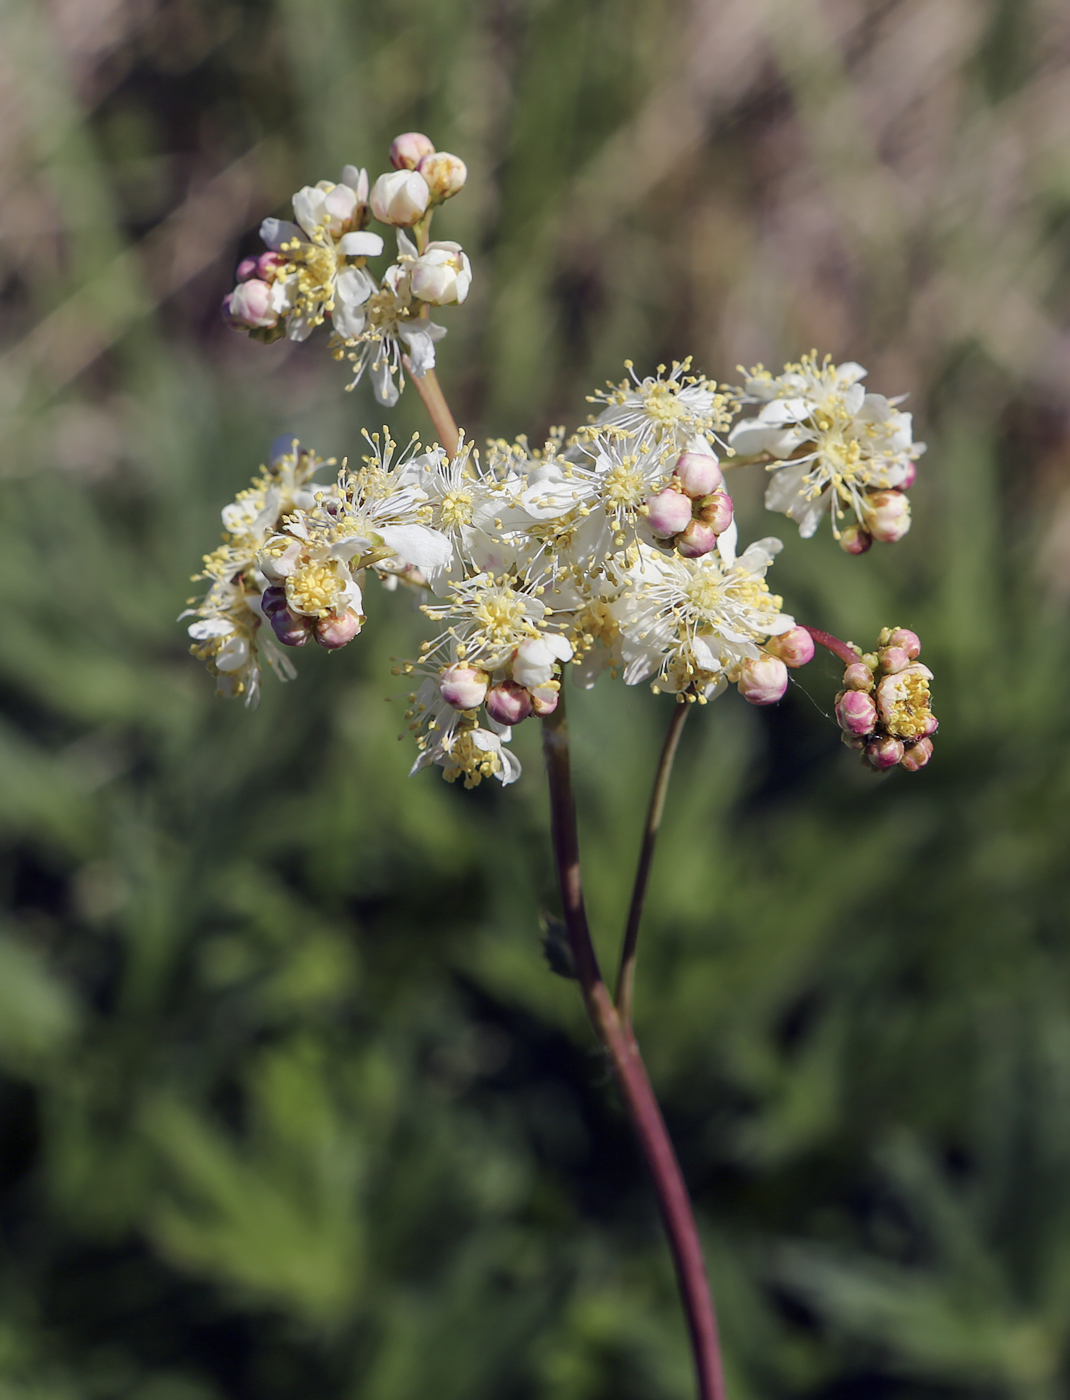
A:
{"x": 526, "y": 685}
{"x": 693, "y": 509}
{"x": 764, "y": 680}
{"x": 884, "y": 707}
{"x": 885, "y": 516}
{"x": 421, "y": 178}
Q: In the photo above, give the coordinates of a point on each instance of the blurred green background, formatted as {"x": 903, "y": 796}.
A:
{"x": 290, "y": 1104}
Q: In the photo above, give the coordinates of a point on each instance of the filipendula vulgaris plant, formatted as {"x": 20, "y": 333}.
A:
{"x": 614, "y": 551}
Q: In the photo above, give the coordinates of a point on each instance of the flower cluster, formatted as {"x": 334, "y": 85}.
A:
{"x": 316, "y": 267}
{"x": 884, "y": 707}
{"x": 832, "y": 448}
{"x": 612, "y": 550}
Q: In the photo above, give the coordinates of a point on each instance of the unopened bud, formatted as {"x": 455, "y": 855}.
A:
{"x": 268, "y": 264}
{"x": 855, "y": 712}
{"x": 272, "y": 600}
{"x": 337, "y": 629}
{"x": 249, "y": 305}
{"x": 445, "y": 175}
{"x": 668, "y": 512}
{"x": 893, "y": 659}
{"x": 508, "y": 703}
{"x": 858, "y": 676}
{"x": 247, "y": 268}
{"x": 463, "y": 687}
{"x": 763, "y": 681}
{"x": 795, "y": 647}
{"x": 917, "y": 755}
{"x": 855, "y": 540}
{"x": 290, "y": 628}
{"x": 887, "y": 515}
{"x": 441, "y": 275}
{"x": 716, "y": 511}
{"x": 696, "y": 539}
{"x": 908, "y": 640}
{"x": 400, "y": 198}
{"x": 544, "y": 699}
{"x": 698, "y": 473}
{"x": 409, "y": 149}
{"x": 883, "y": 753}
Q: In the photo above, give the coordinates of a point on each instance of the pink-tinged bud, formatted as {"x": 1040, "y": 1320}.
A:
{"x": 855, "y": 540}
{"x": 249, "y": 305}
{"x": 696, "y": 539}
{"x": 668, "y": 512}
{"x": 508, "y": 703}
{"x": 272, "y": 600}
{"x": 908, "y": 640}
{"x": 463, "y": 687}
{"x": 698, "y": 474}
{"x": 909, "y": 477}
{"x": 795, "y": 648}
{"x": 858, "y": 676}
{"x": 248, "y": 267}
{"x": 445, "y": 175}
{"x": 337, "y": 629}
{"x": 917, "y": 755}
{"x": 716, "y": 511}
{"x": 763, "y": 681}
{"x": 268, "y": 264}
{"x": 400, "y": 198}
{"x": 409, "y": 149}
{"x": 290, "y": 628}
{"x": 855, "y": 712}
{"x": 893, "y": 659}
{"x": 883, "y": 753}
{"x": 544, "y": 700}
{"x": 887, "y": 515}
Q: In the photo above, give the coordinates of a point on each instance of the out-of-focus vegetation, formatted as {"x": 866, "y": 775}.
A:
{"x": 290, "y": 1103}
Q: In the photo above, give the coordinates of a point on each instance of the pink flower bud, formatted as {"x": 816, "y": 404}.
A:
{"x": 409, "y": 149}
{"x": 855, "y": 712}
{"x": 909, "y": 477}
{"x": 883, "y": 753}
{"x": 544, "y": 700}
{"x": 858, "y": 676}
{"x": 249, "y": 305}
{"x": 698, "y": 474}
{"x": 508, "y": 703}
{"x": 917, "y": 755}
{"x": 291, "y": 629}
{"x": 400, "y": 198}
{"x": 855, "y": 540}
{"x": 668, "y": 512}
{"x": 696, "y": 539}
{"x": 247, "y": 268}
{"x": 795, "y": 648}
{"x": 337, "y": 629}
{"x": 445, "y": 175}
{"x": 887, "y": 515}
{"x": 716, "y": 511}
{"x": 763, "y": 681}
{"x": 268, "y": 264}
{"x": 463, "y": 687}
{"x": 893, "y": 659}
{"x": 909, "y": 641}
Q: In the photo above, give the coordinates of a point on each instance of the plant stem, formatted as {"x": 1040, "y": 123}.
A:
{"x": 429, "y": 389}
{"x": 626, "y": 972}
{"x": 635, "y": 1087}
{"x": 825, "y": 639}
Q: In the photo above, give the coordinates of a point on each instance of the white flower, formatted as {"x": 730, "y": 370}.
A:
{"x": 460, "y": 746}
{"x": 831, "y": 443}
{"x": 441, "y": 274}
{"x": 666, "y": 410}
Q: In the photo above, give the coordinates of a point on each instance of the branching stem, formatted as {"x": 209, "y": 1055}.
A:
{"x": 620, "y": 1044}
{"x": 626, "y": 972}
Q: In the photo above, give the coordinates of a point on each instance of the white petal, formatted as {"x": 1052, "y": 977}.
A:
{"x": 418, "y": 545}
{"x": 360, "y": 245}
{"x": 210, "y": 627}
{"x": 276, "y": 232}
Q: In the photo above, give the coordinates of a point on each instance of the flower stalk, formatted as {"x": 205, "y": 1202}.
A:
{"x": 620, "y": 1044}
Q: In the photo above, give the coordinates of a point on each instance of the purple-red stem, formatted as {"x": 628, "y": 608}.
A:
{"x": 847, "y": 654}
{"x": 631, "y": 1075}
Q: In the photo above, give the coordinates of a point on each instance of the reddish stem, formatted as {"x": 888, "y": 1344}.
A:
{"x": 631, "y": 1075}
{"x": 847, "y": 654}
